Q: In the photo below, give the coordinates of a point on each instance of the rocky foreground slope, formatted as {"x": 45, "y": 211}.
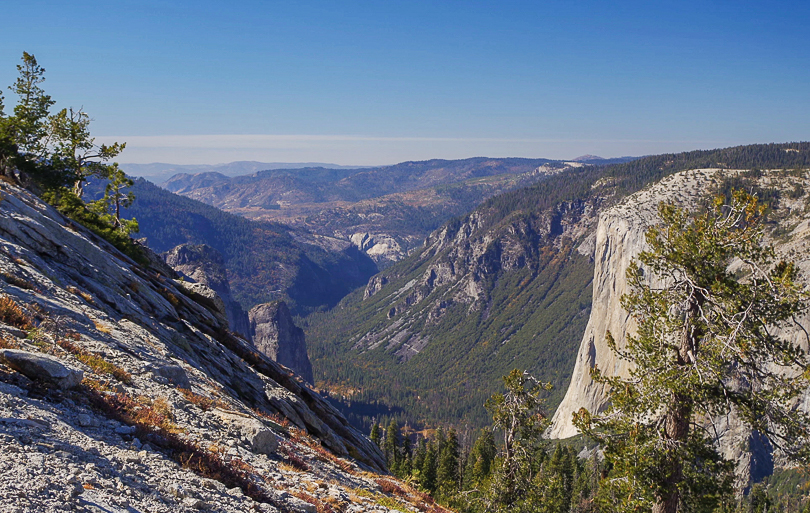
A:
{"x": 122, "y": 390}
{"x": 620, "y": 238}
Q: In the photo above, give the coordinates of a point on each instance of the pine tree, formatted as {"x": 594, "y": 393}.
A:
{"x": 28, "y": 125}
{"x": 517, "y": 414}
{"x": 75, "y": 153}
{"x": 480, "y": 460}
{"x": 706, "y": 346}
{"x": 391, "y": 445}
{"x": 427, "y": 474}
{"x": 447, "y": 471}
{"x": 374, "y": 436}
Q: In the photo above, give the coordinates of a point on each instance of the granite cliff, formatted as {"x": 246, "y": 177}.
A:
{"x": 203, "y": 264}
{"x": 619, "y": 238}
{"x": 275, "y": 335}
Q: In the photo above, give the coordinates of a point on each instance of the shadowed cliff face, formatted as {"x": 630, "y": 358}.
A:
{"x": 275, "y": 335}
{"x": 203, "y": 264}
{"x": 620, "y": 239}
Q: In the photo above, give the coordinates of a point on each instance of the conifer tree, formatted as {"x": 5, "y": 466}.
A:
{"x": 517, "y": 414}
{"x": 374, "y": 436}
{"x": 707, "y": 345}
{"x": 447, "y": 467}
{"x": 28, "y": 125}
{"x": 480, "y": 460}
{"x": 429, "y": 468}
{"x": 75, "y": 153}
{"x": 391, "y": 444}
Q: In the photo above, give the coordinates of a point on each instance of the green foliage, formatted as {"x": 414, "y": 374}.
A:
{"x": 479, "y": 462}
{"x": 392, "y": 444}
{"x": 53, "y": 152}
{"x": 374, "y": 436}
{"x": 447, "y": 471}
{"x": 99, "y": 222}
{"x": 705, "y": 347}
{"x": 75, "y": 153}
{"x": 520, "y": 475}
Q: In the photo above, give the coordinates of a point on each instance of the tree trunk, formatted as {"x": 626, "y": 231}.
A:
{"x": 676, "y": 430}
{"x": 679, "y": 413}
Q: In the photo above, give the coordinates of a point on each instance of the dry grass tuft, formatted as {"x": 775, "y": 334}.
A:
{"x": 320, "y": 506}
{"x": 17, "y": 281}
{"x": 292, "y": 459}
{"x": 391, "y": 487}
{"x": 82, "y": 294}
{"x": 202, "y": 402}
{"x": 96, "y": 362}
{"x": 151, "y": 422}
{"x": 103, "y": 328}
{"x": 12, "y": 314}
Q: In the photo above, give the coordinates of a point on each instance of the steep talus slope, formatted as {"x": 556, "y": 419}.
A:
{"x": 175, "y": 412}
{"x": 620, "y": 238}
{"x": 505, "y": 286}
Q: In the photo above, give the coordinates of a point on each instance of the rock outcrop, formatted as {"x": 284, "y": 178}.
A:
{"x": 201, "y": 264}
{"x": 275, "y": 335}
{"x": 174, "y": 412}
{"x": 379, "y": 246}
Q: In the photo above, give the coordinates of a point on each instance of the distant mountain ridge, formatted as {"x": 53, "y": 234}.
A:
{"x": 264, "y": 261}
{"x": 158, "y": 172}
{"x": 387, "y": 211}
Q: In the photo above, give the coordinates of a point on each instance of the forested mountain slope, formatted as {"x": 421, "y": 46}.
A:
{"x": 265, "y": 261}
{"x": 505, "y": 286}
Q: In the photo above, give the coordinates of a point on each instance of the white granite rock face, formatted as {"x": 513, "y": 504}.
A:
{"x": 619, "y": 239}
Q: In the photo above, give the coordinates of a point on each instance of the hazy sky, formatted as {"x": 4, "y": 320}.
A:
{"x": 385, "y": 81}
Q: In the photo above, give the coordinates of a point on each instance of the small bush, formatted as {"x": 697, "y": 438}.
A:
{"x": 390, "y": 487}
{"x": 12, "y": 314}
{"x": 96, "y": 362}
{"x": 8, "y": 343}
{"x": 17, "y": 281}
{"x": 295, "y": 461}
{"x": 202, "y": 402}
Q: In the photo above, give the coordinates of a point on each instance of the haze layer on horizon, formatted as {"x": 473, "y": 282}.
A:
{"x": 371, "y": 83}
{"x": 373, "y": 151}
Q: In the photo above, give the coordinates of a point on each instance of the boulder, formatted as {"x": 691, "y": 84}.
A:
{"x": 42, "y": 368}
{"x": 174, "y": 374}
{"x": 261, "y": 439}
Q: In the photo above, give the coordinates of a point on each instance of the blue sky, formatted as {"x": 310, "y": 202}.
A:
{"x": 385, "y": 81}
